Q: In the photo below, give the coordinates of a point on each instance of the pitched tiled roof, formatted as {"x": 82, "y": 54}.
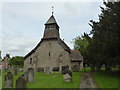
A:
{"x": 76, "y": 55}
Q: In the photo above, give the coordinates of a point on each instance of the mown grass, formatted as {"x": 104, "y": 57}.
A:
{"x": 53, "y": 80}
{"x": 107, "y": 79}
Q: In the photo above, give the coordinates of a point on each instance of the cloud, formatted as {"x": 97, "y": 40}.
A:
{"x": 23, "y": 23}
{"x": 18, "y": 46}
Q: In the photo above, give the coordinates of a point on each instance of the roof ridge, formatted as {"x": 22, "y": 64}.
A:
{"x": 51, "y": 20}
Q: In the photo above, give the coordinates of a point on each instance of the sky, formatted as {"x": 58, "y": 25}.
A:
{"x": 22, "y": 23}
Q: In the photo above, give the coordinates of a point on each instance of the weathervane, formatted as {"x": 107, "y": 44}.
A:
{"x": 52, "y": 10}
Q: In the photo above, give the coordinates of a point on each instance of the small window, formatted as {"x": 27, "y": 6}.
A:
{"x": 30, "y": 60}
{"x": 49, "y": 54}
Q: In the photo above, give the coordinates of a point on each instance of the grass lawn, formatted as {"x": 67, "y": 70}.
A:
{"x": 49, "y": 81}
{"x": 107, "y": 79}
{"x": 53, "y": 80}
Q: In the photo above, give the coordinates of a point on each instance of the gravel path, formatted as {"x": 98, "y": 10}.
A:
{"x": 87, "y": 82}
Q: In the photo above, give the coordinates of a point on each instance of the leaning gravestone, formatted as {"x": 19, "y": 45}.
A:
{"x": 67, "y": 75}
{"x": 8, "y": 82}
{"x": 20, "y": 82}
{"x": 47, "y": 70}
{"x": 30, "y": 75}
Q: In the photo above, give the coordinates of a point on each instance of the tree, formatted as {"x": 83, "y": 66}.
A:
{"x": 17, "y": 61}
{"x": 81, "y": 44}
{"x": 104, "y": 46}
{"x": 106, "y": 35}
{"x": 8, "y": 55}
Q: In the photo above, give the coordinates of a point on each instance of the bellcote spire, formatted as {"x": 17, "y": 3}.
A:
{"x": 52, "y": 20}
{"x": 51, "y": 28}
{"x": 52, "y": 10}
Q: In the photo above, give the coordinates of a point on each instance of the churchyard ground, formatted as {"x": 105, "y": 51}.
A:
{"x": 107, "y": 79}
{"x": 55, "y": 80}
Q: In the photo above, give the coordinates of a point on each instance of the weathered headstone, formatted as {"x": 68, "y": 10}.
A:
{"x": 47, "y": 70}
{"x": 8, "y": 82}
{"x": 20, "y": 69}
{"x": 67, "y": 78}
{"x": 75, "y": 68}
{"x": 40, "y": 69}
{"x": 21, "y": 82}
{"x": 65, "y": 67}
{"x": 67, "y": 75}
{"x": 30, "y": 75}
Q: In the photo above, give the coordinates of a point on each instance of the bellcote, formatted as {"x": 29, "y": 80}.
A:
{"x": 51, "y": 28}
{"x": 51, "y": 23}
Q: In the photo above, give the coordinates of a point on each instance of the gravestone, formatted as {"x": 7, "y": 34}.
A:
{"x": 21, "y": 82}
{"x": 30, "y": 75}
{"x": 67, "y": 78}
{"x": 20, "y": 69}
{"x": 67, "y": 75}
{"x": 65, "y": 67}
{"x": 75, "y": 68}
{"x": 47, "y": 70}
{"x": 25, "y": 75}
{"x": 8, "y": 82}
{"x": 40, "y": 69}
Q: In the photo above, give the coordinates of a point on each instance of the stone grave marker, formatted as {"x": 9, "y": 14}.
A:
{"x": 65, "y": 67}
{"x": 8, "y": 82}
{"x": 67, "y": 75}
{"x": 75, "y": 68}
{"x": 47, "y": 70}
{"x": 21, "y": 82}
{"x": 40, "y": 69}
{"x": 30, "y": 75}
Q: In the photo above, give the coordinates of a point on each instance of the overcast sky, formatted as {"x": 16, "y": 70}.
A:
{"x": 23, "y": 23}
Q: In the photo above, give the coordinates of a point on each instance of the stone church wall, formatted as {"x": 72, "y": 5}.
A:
{"x": 49, "y": 54}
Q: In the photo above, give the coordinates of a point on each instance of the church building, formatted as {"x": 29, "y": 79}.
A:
{"x": 52, "y": 52}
